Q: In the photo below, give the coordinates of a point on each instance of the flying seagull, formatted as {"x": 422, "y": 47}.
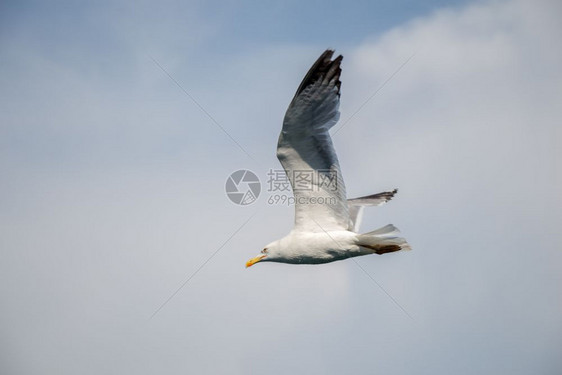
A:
{"x": 326, "y": 222}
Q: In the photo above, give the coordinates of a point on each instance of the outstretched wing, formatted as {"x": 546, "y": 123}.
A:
{"x": 356, "y": 205}
{"x": 373, "y": 199}
{"x": 306, "y": 151}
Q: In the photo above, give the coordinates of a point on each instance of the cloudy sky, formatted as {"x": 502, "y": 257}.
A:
{"x": 113, "y": 166}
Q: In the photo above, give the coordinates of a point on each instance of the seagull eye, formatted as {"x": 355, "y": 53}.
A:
{"x": 264, "y": 251}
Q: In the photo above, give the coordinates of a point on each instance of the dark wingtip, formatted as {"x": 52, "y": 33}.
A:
{"x": 385, "y": 195}
{"x": 323, "y": 69}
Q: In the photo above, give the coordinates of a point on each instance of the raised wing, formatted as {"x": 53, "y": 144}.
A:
{"x": 374, "y": 199}
{"x": 306, "y": 151}
{"x": 356, "y": 206}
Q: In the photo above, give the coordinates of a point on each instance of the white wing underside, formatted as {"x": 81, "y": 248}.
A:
{"x": 307, "y": 154}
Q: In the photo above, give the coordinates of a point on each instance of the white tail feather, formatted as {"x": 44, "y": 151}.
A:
{"x": 383, "y": 240}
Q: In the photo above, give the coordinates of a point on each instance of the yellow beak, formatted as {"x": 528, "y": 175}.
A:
{"x": 253, "y": 261}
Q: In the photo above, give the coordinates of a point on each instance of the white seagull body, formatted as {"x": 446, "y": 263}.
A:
{"x": 326, "y": 222}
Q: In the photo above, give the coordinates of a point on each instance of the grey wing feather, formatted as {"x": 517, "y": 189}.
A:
{"x": 374, "y": 199}
{"x": 356, "y": 206}
{"x": 305, "y": 146}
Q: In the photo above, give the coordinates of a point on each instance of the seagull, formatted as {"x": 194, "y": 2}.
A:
{"x": 326, "y": 222}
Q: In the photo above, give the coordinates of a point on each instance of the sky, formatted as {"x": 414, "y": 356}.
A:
{"x": 120, "y": 123}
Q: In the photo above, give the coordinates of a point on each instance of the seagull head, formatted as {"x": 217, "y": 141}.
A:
{"x": 269, "y": 253}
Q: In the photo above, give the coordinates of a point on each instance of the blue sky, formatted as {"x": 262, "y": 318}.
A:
{"x": 246, "y": 23}
{"x": 113, "y": 188}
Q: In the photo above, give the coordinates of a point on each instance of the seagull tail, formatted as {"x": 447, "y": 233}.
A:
{"x": 383, "y": 240}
